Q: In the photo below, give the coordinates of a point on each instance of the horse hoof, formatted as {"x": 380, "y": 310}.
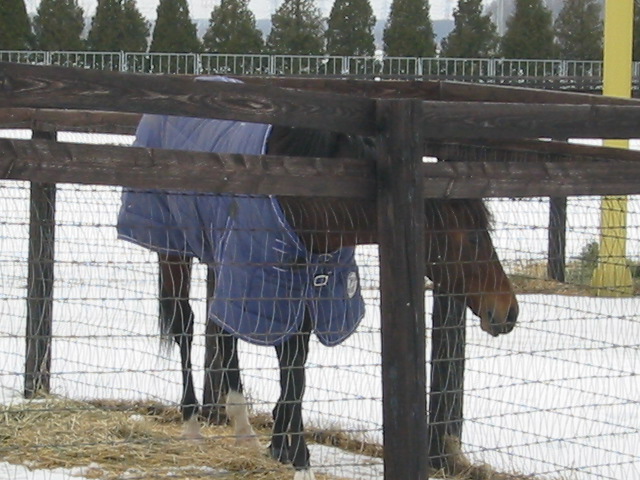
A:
{"x": 191, "y": 430}
{"x": 305, "y": 474}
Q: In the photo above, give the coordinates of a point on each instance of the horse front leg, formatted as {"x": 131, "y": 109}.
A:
{"x": 288, "y": 443}
{"x": 176, "y": 322}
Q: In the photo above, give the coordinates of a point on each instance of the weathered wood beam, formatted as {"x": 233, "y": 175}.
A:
{"x": 441, "y": 120}
{"x": 444, "y": 149}
{"x": 69, "y": 120}
{"x": 446, "y": 395}
{"x": 523, "y": 150}
{"x": 471, "y": 120}
{"x": 59, "y": 87}
{"x": 44, "y": 161}
{"x": 463, "y": 91}
{"x": 40, "y": 284}
{"x": 402, "y": 307}
{"x": 557, "y": 239}
{"x": 531, "y": 179}
{"x": 439, "y": 90}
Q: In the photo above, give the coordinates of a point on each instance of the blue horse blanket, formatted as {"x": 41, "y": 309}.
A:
{"x": 265, "y": 276}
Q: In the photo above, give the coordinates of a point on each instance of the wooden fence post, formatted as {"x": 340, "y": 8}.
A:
{"x": 447, "y": 376}
{"x": 556, "y": 262}
{"x": 402, "y": 246}
{"x": 40, "y": 284}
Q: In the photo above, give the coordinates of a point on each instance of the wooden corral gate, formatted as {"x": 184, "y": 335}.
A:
{"x": 488, "y": 135}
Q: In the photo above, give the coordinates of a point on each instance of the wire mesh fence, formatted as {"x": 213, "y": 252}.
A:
{"x": 556, "y": 398}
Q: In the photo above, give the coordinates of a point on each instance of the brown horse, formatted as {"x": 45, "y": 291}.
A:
{"x": 460, "y": 259}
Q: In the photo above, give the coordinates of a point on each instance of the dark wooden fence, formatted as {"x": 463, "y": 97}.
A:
{"x": 484, "y": 134}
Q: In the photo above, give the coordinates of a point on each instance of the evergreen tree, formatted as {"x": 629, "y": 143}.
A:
{"x": 15, "y": 29}
{"x": 473, "y": 35}
{"x": 135, "y": 27}
{"x": 350, "y": 28}
{"x": 297, "y": 28}
{"x": 104, "y": 35}
{"x": 409, "y": 32}
{"x": 579, "y": 30}
{"x": 174, "y": 31}
{"x": 232, "y": 29}
{"x": 581, "y": 271}
{"x": 529, "y": 32}
{"x": 118, "y": 26}
{"x": 58, "y": 25}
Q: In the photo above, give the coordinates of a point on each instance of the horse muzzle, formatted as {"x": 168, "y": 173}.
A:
{"x": 496, "y": 322}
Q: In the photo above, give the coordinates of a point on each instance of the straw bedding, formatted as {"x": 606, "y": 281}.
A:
{"x": 141, "y": 440}
{"x": 103, "y": 440}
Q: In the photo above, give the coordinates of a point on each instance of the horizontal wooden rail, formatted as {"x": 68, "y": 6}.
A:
{"x": 523, "y": 151}
{"x": 41, "y": 160}
{"x": 440, "y": 90}
{"x": 57, "y": 162}
{"x": 58, "y": 87}
{"x": 445, "y": 149}
{"x": 89, "y": 121}
{"x": 56, "y": 120}
{"x": 471, "y": 120}
{"x": 531, "y": 179}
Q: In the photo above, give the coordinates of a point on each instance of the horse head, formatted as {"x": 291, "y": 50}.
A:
{"x": 461, "y": 260}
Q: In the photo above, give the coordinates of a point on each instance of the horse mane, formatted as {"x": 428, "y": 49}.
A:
{"x": 475, "y": 209}
{"x": 306, "y": 142}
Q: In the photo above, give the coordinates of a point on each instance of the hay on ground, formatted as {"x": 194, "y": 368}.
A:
{"x": 134, "y": 440}
{"x": 112, "y": 443}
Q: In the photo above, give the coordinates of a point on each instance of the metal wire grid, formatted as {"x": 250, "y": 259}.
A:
{"x": 556, "y": 397}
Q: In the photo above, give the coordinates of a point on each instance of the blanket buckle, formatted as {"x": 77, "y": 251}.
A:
{"x": 320, "y": 280}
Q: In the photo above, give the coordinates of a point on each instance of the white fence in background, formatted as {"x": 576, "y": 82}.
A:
{"x": 569, "y": 74}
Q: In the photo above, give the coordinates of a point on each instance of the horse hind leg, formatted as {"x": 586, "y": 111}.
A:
{"x": 176, "y": 322}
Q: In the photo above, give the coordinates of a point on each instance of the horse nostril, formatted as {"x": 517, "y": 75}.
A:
{"x": 502, "y": 325}
{"x": 491, "y": 317}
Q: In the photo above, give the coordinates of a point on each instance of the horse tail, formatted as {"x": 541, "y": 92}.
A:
{"x": 175, "y": 317}
{"x": 165, "y": 326}
{"x": 175, "y": 322}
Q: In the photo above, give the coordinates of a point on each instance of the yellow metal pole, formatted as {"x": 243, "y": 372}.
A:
{"x": 612, "y": 276}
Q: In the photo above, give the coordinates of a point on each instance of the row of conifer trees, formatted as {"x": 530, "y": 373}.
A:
{"x": 298, "y": 28}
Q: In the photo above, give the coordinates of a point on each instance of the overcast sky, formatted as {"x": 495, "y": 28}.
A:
{"x": 261, "y": 8}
